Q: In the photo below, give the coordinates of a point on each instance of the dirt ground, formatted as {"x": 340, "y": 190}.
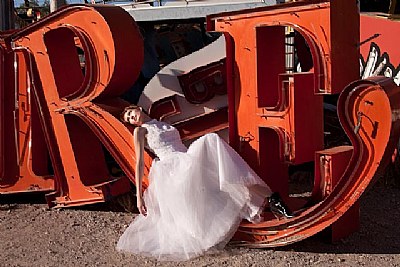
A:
{"x": 33, "y": 235}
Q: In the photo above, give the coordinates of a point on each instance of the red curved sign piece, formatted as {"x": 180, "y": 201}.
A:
{"x": 369, "y": 113}
{"x": 66, "y": 94}
{"x": 277, "y": 114}
{"x": 71, "y": 106}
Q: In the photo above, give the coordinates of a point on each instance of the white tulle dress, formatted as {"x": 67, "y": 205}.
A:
{"x": 196, "y": 197}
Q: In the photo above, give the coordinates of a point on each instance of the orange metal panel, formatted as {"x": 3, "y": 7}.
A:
{"x": 56, "y": 108}
{"x": 328, "y": 27}
{"x": 380, "y": 30}
{"x": 278, "y": 116}
{"x": 75, "y": 128}
{"x": 22, "y": 172}
{"x": 379, "y": 50}
{"x": 2, "y": 87}
{"x": 331, "y": 164}
{"x": 374, "y": 137}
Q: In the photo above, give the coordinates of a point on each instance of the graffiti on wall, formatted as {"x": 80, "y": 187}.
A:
{"x": 378, "y": 63}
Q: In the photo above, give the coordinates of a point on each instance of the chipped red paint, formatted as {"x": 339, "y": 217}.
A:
{"x": 379, "y": 51}
{"x": 68, "y": 107}
{"x": 278, "y": 116}
{"x": 53, "y": 110}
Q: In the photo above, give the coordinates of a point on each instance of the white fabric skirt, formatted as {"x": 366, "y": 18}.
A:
{"x": 195, "y": 202}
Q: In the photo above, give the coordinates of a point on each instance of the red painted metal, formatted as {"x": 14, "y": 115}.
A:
{"x": 17, "y": 158}
{"x": 274, "y": 136}
{"x": 165, "y": 107}
{"x": 278, "y": 116}
{"x": 328, "y": 27}
{"x": 380, "y": 30}
{"x": 73, "y": 106}
{"x": 332, "y": 163}
{"x": 202, "y": 84}
{"x": 56, "y": 111}
{"x": 190, "y": 93}
{"x": 70, "y": 103}
{"x": 373, "y": 138}
{"x": 2, "y": 86}
{"x": 379, "y": 51}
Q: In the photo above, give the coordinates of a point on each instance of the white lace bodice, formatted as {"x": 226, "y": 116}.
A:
{"x": 163, "y": 139}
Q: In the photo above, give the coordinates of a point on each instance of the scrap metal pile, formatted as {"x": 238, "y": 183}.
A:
{"x": 267, "y": 86}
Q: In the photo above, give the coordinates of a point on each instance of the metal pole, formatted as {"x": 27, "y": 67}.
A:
{"x": 6, "y": 15}
{"x": 53, "y": 5}
{"x": 392, "y": 8}
{"x": 56, "y": 4}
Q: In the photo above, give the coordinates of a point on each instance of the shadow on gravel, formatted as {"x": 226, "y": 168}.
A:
{"x": 379, "y": 231}
{"x": 13, "y": 201}
{"x": 23, "y": 198}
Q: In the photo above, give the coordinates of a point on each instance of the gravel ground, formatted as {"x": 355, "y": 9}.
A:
{"x": 33, "y": 235}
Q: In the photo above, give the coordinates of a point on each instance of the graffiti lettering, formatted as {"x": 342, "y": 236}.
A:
{"x": 377, "y": 64}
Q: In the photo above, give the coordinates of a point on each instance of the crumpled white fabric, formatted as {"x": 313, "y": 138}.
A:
{"x": 196, "y": 198}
